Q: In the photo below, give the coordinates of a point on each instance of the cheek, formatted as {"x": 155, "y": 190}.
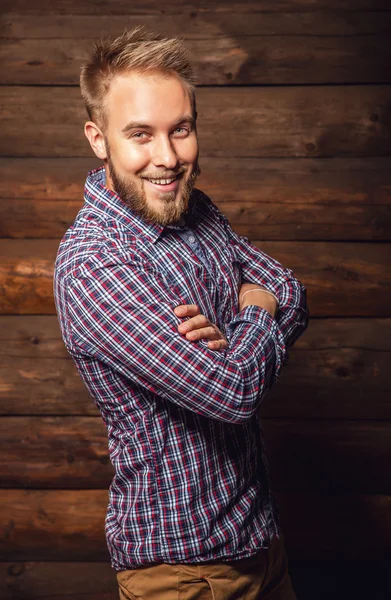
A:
{"x": 133, "y": 159}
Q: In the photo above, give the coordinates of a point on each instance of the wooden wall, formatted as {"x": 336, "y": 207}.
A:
{"x": 295, "y": 119}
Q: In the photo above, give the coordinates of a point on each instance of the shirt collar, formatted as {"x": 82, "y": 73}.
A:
{"x": 108, "y": 202}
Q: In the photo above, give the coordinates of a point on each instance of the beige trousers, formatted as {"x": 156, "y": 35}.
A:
{"x": 263, "y": 576}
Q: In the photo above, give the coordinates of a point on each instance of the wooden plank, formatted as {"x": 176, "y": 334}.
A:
{"x": 122, "y": 7}
{"x": 339, "y": 198}
{"x": 343, "y": 279}
{"x": 337, "y": 370}
{"x": 256, "y": 220}
{"x": 350, "y": 181}
{"x": 82, "y": 581}
{"x": 323, "y": 456}
{"x": 53, "y": 525}
{"x": 269, "y": 48}
{"x": 26, "y": 280}
{"x": 196, "y": 23}
{"x": 62, "y": 581}
{"x": 37, "y": 375}
{"x": 68, "y": 525}
{"x": 277, "y": 121}
{"x": 269, "y": 199}
{"x": 55, "y": 452}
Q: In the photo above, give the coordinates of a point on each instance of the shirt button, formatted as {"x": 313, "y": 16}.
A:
{"x": 192, "y": 239}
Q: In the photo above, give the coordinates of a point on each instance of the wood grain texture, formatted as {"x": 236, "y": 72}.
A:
{"x": 311, "y": 121}
{"x": 83, "y": 581}
{"x": 311, "y": 455}
{"x": 334, "y": 368}
{"x": 59, "y": 581}
{"x": 68, "y": 525}
{"x": 348, "y": 181}
{"x": 269, "y": 199}
{"x": 122, "y": 7}
{"x": 268, "y": 48}
{"x": 343, "y": 279}
{"x": 50, "y": 219}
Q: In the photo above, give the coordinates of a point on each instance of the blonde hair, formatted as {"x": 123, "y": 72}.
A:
{"x": 136, "y": 50}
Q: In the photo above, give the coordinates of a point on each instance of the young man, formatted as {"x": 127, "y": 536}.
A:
{"x": 178, "y": 328}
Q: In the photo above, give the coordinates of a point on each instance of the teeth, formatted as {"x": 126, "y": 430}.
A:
{"x": 161, "y": 181}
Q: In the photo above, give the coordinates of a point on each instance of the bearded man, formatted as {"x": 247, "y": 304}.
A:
{"x": 178, "y": 328}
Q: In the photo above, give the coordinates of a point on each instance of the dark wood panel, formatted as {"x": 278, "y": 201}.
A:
{"x": 336, "y": 527}
{"x": 277, "y": 121}
{"x": 333, "y": 370}
{"x": 122, "y": 7}
{"x": 343, "y": 279}
{"x": 341, "y": 580}
{"x": 37, "y": 375}
{"x": 337, "y": 369}
{"x": 62, "y": 581}
{"x": 55, "y": 452}
{"x": 81, "y": 581}
{"x": 26, "y": 276}
{"x": 53, "y": 525}
{"x": 281, "y": 199}
{"x": 71, "y": 452}
{"x": 197, "y": 22}
{"x": 256, "y": 220}
{"x": 347, "y": 181}
{"x": 68, "y": 525}
{"x": 291, "y": 199}
{"x": 329, "y": 456}
{"x": 268, "y": 48}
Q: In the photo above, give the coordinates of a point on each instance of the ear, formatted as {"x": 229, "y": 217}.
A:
{"x": 96, "y": 138}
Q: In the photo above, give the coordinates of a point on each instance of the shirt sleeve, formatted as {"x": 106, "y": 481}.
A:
{"x": 259, "y": 268}
{"x": 123, "y": 316}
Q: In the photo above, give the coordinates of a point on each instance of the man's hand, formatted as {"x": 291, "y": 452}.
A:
{"x": 256, "y": 295}
{"x": 198, "y": 327}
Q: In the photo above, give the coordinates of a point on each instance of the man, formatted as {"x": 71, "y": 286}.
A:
{"x": 178, "y": 328}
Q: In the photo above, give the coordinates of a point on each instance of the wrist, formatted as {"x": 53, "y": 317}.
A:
{"x": 261, "y": 298}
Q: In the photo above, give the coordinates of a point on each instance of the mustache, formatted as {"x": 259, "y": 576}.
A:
{"x": 163, "y": 174}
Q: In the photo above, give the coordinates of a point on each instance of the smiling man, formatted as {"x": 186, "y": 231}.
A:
{"x": 178, "y": 328}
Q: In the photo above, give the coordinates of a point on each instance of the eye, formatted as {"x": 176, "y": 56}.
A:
{"x": 181, "y": 131}
{"x": 139, "y": 135}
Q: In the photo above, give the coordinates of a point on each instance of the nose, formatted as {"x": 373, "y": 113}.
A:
{"x": 163, "y": 153}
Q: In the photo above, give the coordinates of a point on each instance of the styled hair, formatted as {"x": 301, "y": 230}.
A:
{"x": 137, "y": 50}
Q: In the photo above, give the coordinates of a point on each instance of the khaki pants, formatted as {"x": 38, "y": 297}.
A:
{"x": 263, "y": 576}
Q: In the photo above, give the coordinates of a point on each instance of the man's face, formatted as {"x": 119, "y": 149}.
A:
{"x": 151, "y": 145}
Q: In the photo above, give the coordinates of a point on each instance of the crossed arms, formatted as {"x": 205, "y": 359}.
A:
{"x": 198, "y": 327}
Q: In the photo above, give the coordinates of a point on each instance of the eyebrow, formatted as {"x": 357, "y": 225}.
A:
{"x": 136, "y": 125}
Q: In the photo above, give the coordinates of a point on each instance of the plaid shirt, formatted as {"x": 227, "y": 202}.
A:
{"x": 190, "y": 481}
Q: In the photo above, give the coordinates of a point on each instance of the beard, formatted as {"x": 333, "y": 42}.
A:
{"x": 173, "y": 209}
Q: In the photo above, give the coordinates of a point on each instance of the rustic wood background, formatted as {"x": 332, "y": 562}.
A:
{"x": 295, "y": 120}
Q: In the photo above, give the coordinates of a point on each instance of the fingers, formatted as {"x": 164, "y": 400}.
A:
{"x": 194, "y": 323}
{"x": 187, "y": 310}
{"x": 221, "y": 344}
{"x": 198, "y": 327}
{"x": 209, "y": 333}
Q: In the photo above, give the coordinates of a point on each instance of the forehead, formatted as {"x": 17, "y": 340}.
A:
{"x": 154, "y": 99}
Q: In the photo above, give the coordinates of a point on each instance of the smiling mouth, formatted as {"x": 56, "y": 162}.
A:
{"x": 161, "y": 181}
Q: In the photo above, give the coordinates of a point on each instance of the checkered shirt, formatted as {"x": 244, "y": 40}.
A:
{"x": 190, "y": 479}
